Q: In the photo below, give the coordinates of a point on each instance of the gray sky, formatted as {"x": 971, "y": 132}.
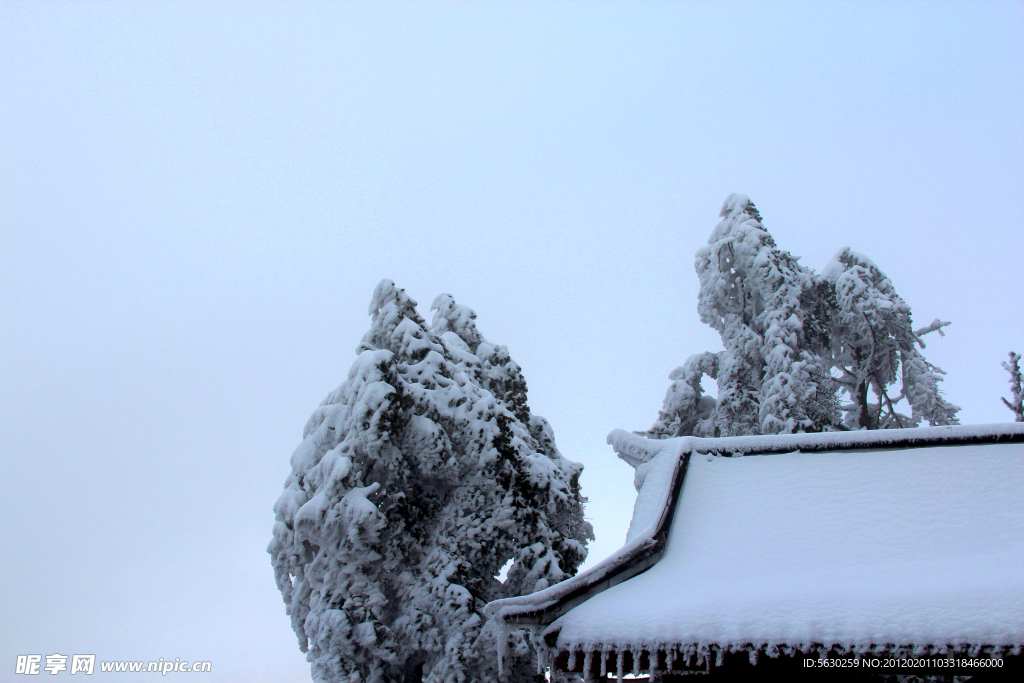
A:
{"x": 197, "y": 199}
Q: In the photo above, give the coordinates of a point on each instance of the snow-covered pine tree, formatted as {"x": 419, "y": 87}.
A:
{"x": 875, "y": 349}
{"x": 1016, "y": 402}
{"x": 418, "y": 479}
{"x": 770, "y": 313}
{"x": 785, "y": 329}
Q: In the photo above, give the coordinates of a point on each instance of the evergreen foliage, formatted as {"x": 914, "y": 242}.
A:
{"x": 874, "y": 347}
{"x": 416, "y": 481}
{"x": 796, "y": 342}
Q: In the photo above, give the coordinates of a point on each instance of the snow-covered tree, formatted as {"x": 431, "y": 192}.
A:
{"x": 687, "y": 409}
{"x": 417, "y": 480}
{"x": 787, "y": 332}
{"x": 769, "y": 312}
{"x": 875, "y": 349}
{"x": 1016, "y": 402}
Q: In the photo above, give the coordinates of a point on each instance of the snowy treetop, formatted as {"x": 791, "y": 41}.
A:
{"x": 416, "y": 481}
{"x": 803, "y": 352}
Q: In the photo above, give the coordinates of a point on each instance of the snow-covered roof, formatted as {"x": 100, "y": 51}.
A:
{"x": 840, "y": 541}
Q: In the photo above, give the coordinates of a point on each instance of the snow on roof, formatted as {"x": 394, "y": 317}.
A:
{"x": 635, "y": 449}
{"x": 886, "y": 544}
{"x": 896, "y": 538}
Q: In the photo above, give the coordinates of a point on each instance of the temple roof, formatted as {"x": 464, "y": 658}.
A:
{"x": 901, "y": 538}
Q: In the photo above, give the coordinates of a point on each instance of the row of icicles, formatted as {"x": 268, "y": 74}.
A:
{"x": 697, "y": 656}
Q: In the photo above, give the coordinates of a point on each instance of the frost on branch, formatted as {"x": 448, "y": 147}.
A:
{"x": 875, "y": 347}
{"x": 417, "y": 479}
{"x": 770, "y": 313}
{"x": 795, "y": 342}
{"x": 1016, "y": 402}
{"x": 687, "y": 410}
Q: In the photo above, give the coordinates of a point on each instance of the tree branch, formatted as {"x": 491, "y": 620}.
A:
{"x": 935, "y": 326}
{"x": 892, "y": 410}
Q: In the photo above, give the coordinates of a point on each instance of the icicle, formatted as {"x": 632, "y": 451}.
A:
{"x": 588, "y": 659}
{"x": 636, "y": 652}
{"x": 620, "y": 664}
{"x": 720, "y": 657}
{"x": 502, "y": 633}
{"x": 604, "y": 661}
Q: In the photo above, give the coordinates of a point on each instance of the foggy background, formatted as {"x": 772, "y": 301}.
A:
{"x": 197, "y": 200}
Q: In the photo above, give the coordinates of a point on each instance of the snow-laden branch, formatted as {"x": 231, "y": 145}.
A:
{"x": 934, "y": 326}
{"x": 1016, "y": 403}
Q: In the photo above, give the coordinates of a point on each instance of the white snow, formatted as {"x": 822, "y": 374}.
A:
{"x": 633, "y": 448}
{"x": 921, "y": 546}
{"x": 653, "y": 481}
{"x": 836, "y": 267}
{"x": 423, "y": 483}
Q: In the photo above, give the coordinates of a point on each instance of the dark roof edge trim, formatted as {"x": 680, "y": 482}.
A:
{"x": 643, "y": 555}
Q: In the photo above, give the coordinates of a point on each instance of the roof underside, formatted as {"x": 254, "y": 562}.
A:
{"x": 918, "y": 547}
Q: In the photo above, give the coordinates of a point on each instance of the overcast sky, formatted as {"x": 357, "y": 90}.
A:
{"x": 197, "y": 200}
